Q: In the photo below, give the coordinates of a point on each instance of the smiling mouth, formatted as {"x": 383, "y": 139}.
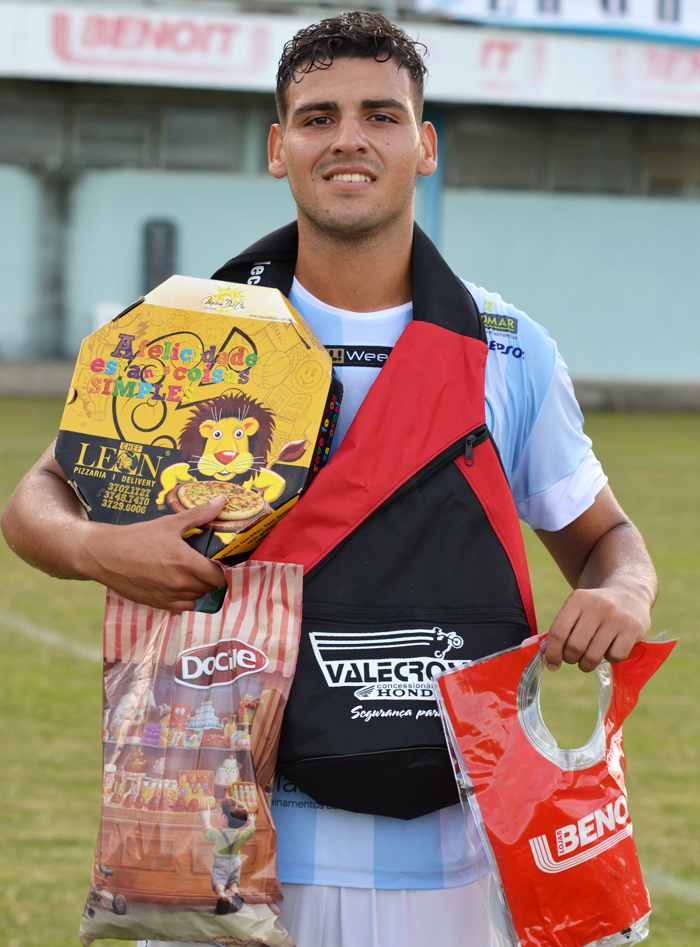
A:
{"x": 351, "y": 178}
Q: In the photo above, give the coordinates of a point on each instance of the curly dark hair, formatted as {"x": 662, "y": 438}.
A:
{"x": 349, "y": 35}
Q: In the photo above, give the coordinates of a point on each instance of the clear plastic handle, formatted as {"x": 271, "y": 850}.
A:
{"x": 535, "y": 729}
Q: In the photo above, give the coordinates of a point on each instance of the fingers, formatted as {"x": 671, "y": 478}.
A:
{"x": 595, "y": 624}
{"x": 210, "y": 574}
{"x": 172, "y": 600}
{"x": 587, "y": 647}
{"x": 581, "y": 638}
{"x": 181, "y": 582}
{"x": 198, "y": 515}
{"x": 559, "y": 634}
{"x": 149, "y": 563}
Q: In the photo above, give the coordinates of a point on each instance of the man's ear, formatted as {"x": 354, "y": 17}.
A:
{"x": 250, "y": 426}
{"x": 206, "y": 427}
{"x": 427, "y": 164}
{"x": 275, "y": 153}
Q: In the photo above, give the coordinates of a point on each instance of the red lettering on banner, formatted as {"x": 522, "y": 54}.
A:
{"x": 92, "y": 31}
{"x": 133, "y": 32}
{"x": 160, "y": 42}
{"x": 228, "y": 30}
{"x": 511, "y": 65}
{"x": 496, "y": 54}
{"x": 657, "y": 72}
{"x": 189, "y": 31}
{"x": 128, "y": 32}
{"x": 673, "y": 65}
{"x": 160, "y": 34}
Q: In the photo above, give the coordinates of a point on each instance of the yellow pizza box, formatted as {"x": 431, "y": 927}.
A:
{"x": 200, "y": 388}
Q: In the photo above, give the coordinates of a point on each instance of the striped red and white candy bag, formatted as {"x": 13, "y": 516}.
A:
{"x": 192, "y": 712}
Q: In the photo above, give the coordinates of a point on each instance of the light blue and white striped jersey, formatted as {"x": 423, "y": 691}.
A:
{"x": 538, "y": 428}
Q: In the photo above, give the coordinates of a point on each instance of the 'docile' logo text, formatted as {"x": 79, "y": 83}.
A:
{"x": 217, "y": 664}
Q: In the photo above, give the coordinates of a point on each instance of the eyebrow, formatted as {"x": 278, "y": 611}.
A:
{"x": 367, "y": 104}
{"x": 384, "y": 104}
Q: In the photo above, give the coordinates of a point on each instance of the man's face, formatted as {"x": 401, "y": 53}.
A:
{"x": 351, "y": 146}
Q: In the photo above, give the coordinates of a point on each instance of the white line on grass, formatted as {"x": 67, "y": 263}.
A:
{"x": 46, "y": 636}
{"x": 666, "y": 883}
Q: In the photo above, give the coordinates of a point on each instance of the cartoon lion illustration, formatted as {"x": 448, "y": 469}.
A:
{"x": 126, "y": 462}
{"x": 228, "y": 439}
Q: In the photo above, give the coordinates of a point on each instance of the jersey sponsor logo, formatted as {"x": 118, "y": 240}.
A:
{"x": 359, "y": 356}
{"x": 218, "y": 664}
{"x": 513, "y": 350}
{"x": 256, "y": 272}
{"x": 610, "y": 824}
{"x": 496, "y": 322}
{"x": 387, "y": 665}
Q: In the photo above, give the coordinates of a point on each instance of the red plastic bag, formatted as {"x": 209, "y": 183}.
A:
{"x": 555, "y": 823}
{"x": 192, "y": 713}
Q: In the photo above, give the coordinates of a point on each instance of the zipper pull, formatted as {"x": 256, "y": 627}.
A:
{"x": 469, "y": 450}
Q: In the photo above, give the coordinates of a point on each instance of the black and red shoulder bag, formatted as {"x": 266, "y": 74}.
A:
{"x": 413, "y": 557}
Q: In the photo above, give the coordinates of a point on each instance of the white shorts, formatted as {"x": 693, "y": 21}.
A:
{"x": 324, "y": 916}
{"x": 320, "y": 916}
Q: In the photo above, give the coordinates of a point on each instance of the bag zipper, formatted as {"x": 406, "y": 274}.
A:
{"x": 470, "y": 441}
{"x": 465, "y": 445}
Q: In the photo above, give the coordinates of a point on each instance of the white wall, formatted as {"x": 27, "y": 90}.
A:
{"x": 615, "y": 280}
{"x": 216, "y": 215}
{"x": 19, "y": 237}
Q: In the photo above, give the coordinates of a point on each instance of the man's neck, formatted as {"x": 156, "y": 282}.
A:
{"x": 365, "y": 274}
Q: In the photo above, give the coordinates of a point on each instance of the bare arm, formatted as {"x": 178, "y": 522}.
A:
{"x": 603, "y": 557}
{"x": 45, "y": 524}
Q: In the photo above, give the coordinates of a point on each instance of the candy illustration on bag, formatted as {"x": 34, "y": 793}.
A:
{"x": 179, "y": 716}
{"x": 555, "y": 824}
{"x": 187, "y": 845}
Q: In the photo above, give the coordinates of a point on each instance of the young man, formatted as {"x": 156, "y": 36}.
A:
{"x": 351, "y": 142}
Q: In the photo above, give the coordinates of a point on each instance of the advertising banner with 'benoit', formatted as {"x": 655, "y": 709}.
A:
{"x": 620, "y": 56}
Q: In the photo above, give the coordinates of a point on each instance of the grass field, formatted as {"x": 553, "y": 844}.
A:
{"x": 50, "y": 695}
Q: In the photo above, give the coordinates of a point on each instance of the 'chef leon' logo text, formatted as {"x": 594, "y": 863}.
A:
{"x": 99, "y": 459}
{"x": 217, "y": 664}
